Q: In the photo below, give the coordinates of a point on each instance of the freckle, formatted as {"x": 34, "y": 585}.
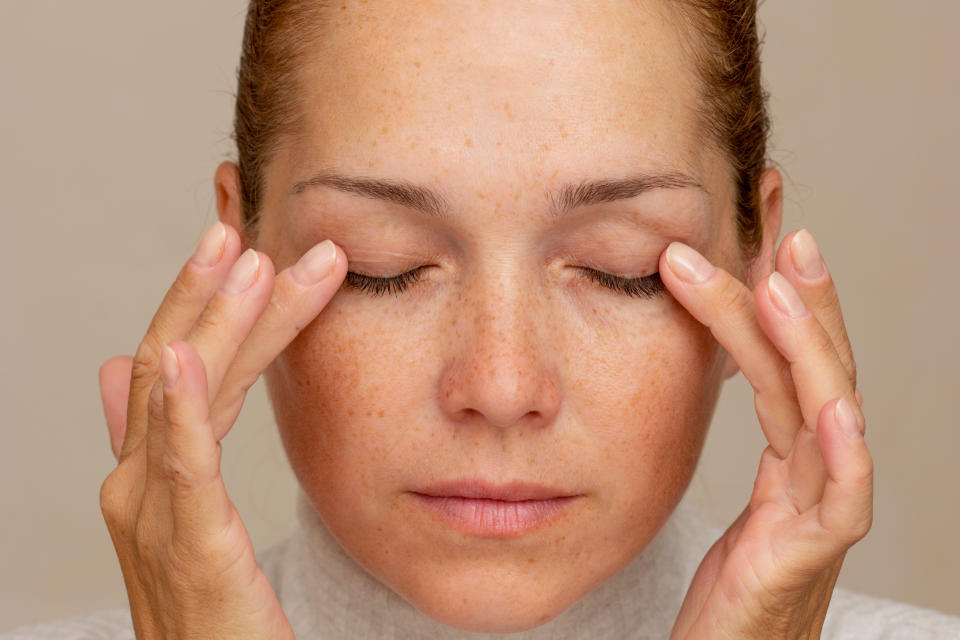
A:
{"x": 416, "y": 63}
{"x": 380, "y": 413}
{"x": 531, "y": 559}
{"x": 545, "y": 147}
{"x": 468, "y": 142}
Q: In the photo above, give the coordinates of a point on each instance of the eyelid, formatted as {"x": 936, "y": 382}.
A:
{"x": 648, "y": 286}
{"x": 381, "y": 285}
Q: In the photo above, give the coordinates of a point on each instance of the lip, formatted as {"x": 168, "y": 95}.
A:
{"x": 479, "y": 488}
{"x": 480, "y": 508}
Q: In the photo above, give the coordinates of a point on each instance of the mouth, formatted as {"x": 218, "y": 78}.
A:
{"x": 485, "y": 509}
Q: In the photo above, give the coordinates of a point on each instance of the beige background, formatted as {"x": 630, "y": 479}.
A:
{"x": 114, "y": 114}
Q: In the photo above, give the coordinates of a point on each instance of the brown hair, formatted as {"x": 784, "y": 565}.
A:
{"x": 724, "y": 44}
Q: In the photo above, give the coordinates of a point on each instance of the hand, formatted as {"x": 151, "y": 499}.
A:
{"x": 187, "y": 560}
{"x": 772, "y": 572}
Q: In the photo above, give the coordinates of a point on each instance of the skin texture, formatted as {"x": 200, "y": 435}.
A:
{"x": 504, "y": 361}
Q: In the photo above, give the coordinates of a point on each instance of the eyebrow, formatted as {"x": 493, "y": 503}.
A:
{"x": 565, "y": 199}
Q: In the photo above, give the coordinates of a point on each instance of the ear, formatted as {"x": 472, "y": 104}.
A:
{"x": 771, "y": 218}
{"x": 226, "y": 184}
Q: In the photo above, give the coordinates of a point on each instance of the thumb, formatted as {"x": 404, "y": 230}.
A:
{"x": 114, "y": 390}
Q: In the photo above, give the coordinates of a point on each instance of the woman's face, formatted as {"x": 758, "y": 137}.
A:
{"x": 505, "y": 361}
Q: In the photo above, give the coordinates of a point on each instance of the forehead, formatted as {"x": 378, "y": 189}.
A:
{"x": 497, "y": 89}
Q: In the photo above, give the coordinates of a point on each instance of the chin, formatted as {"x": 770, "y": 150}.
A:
{"x": 498, "y": 597}
{"x": 493, "y": 611}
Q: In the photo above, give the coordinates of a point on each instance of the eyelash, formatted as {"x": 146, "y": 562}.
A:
{"x": 644, "y": 287}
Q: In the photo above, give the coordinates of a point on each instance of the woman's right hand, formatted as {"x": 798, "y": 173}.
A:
{"x": 186, "y": 558}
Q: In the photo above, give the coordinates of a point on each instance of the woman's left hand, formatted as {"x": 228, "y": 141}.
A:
{"x": 772, "y": 573}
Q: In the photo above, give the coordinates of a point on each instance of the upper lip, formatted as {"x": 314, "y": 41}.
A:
{"x": 479, "y": 488}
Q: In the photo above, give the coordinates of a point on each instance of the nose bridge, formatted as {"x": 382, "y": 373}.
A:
{"x": 500, "y": 368}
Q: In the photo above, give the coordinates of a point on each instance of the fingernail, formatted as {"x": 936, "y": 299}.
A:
{"x": 688, "y": 264}
{"x": 169, "y": 366}
{"x": 806, "y": 256}
{"x": 846, "y": 418}
{"x": 243, "y": 273}
{"x": 315, "y": 264}
{"x": 210, "y": 249}
{"x": 785, "y": 296}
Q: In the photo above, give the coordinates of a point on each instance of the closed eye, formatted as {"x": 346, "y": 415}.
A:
{"x": 377, "y": 286}
{"x": 648, "y": 286}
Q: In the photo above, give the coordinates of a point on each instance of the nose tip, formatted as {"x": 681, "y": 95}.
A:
{"x": 502, "y": 393}
{"x": 501, "y": 372}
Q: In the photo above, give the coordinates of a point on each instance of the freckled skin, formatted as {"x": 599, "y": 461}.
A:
{"x": 502, "y": 362}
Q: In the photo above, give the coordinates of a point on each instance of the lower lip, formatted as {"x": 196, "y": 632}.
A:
{"x": 495, "y": 518}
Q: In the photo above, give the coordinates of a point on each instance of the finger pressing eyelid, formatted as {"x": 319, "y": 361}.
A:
{"x": 293, "y": 306}
{"x": 725, "y": 305}
{"x": 818, "y": 374}
{"x": 799, "y": 260}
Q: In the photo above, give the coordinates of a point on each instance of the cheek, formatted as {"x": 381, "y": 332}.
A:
{"x": 647, "y": 408}
{"x": 348, "y": 403}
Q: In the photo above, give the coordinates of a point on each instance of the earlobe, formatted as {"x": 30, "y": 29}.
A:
{"x": 771, "y": 216}
{"x": 226, "y": 185}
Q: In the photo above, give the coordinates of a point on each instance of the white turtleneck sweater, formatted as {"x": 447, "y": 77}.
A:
{"x": 328, "y": 596}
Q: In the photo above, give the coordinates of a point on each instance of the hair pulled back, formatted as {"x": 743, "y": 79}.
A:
{"x": 724, "y": 43}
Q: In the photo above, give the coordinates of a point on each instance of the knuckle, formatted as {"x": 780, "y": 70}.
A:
{"x": 209, "y": 322}
{"x": 858, "y": 527}
{"x": 736, "y": 299}
{"x": 115, "y": 499}
{"x": 819, "y": 342}
{"x": 184, "y": 287}
{"x": 155, "y": 411}
{"x": 176, "y": 471}
{"x": 111, "y": 499}
{"x": 146, "y": 361}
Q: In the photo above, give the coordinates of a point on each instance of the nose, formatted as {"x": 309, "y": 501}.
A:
{"x": 500, "y": 370}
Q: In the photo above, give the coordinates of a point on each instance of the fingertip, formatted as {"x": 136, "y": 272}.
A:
{"x": 847, "y": 420}
{"x": 783, "y": 259}
{"x": 687, "y": 263}
{"x": 114, "y": 381}
{"x": 182, "y": 370}
{"x": 840, "y": 435}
